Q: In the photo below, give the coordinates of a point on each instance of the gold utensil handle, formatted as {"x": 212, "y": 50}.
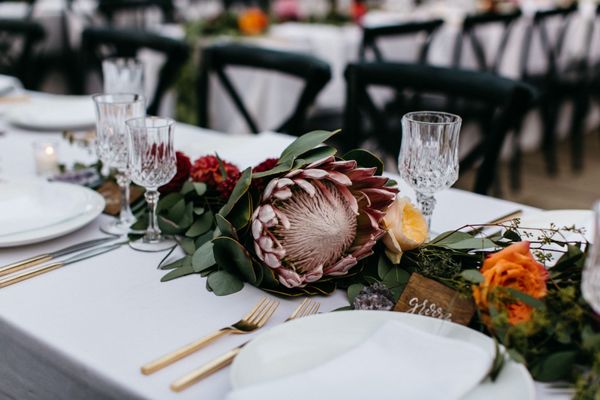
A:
{"x": 10, "y": 280}
{"x": 208, "y": 369}
{"x": 182, "y": 352}
{"x": 30, "y": 262}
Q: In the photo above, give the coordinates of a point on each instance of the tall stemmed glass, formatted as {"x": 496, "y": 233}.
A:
{"x": 112, "y": 110}
{"x": 123, "y": 75}
{"x": 428, "y": 159}
{"x": 590, "y": 282}
{"x": 153, "y": 163}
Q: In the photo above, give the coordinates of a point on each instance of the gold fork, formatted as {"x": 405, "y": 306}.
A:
{"x": 252, "y": 321}
{"x": 307, "y": 307}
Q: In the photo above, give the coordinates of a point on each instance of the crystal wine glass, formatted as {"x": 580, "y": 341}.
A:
{"x": 590, "y": 283}
{"x": 123, "y": 75}
{"x": 112, "y": 110}
{"x": 428, "y": 159}
{"x": 153, "y": 163}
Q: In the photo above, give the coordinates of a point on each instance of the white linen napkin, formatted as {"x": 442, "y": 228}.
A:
{"x": 396, "y": 362}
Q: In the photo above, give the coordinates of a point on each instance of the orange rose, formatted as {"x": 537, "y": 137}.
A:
{"x": 514, "y": 267}
{"x": 253, "y": 21}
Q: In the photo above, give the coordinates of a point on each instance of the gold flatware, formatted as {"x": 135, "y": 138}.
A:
{"x": 307, "y": 307}
{"x": 505, "y": 218}
{"x": 42, "y": 258}
{"x": 252, "y": 321}
{"x": 19, "y": 277}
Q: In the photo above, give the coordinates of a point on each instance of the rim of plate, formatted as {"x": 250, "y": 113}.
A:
{"x": 62, "y": 228}
{"x": 238, "y": 363}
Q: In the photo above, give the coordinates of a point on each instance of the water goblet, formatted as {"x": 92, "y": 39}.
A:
{"x": 123, "y": 75}
{"x": 112, "y": 147}
{"x": 153, "y": 163}
{"x": 590, "y": 282}
{"x": 428, "y": 159}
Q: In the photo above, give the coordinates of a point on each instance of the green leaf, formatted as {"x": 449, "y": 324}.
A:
{"x": 516, "y": 356}
{"x": 498, "y": 362}
{"x": 313, "y": 155}
{"x": 168, "y": 201}
{"x": 239, "y": 190}
{"x": 187, "y": 187}
{"x": 449, "y": 238}
{"x": 176, "y": 212}
{"x": 554, "y": 367}
{"x": 201, "y": 225}
{"x": 384, "y": 265}
{"x": 472, "y": 275}
{"x": 365, "y": 159}
{"x": 472, "y": 244}
{"x": 233, "y": 256}
{"x": 242, "y": 212}
{"x": 188, "y": 245}
{"x": 525, "y": 298}
{"x": 512, "y": 235}
{"x": 278, "y": 169}
{"x": 200, "y": 188}
{"x": 168, "y": 227}
{"x": 204, "y": 257}
{"x": 177, "y": 273}
{"x": 199, "y": 210}
{"x": 188, "y": 216}
{"x": 305, "y": 143}
{"x": 353, "y": 291}
{"x": 225, "y": 227}
{"x": 204, "y": 238}
{"x": 184, "y": 261}
{"x": 396, "y": 277}
{"x": 222, "y": 283}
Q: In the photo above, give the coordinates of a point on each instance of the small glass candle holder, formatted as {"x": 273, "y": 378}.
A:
{"x": 45, "y": 155}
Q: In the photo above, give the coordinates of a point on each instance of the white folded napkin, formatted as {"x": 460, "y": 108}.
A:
{"x": 396, "y": 362}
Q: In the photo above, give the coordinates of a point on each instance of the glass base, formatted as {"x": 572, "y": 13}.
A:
{"x": 115, "y": 228}
{"x": 162, "y": 244}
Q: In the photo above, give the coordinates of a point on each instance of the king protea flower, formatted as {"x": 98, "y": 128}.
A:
{"x": 320, "y": 220}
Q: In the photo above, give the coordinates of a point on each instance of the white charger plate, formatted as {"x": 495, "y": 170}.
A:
{"x": 32, "y": 211}
{"x": 53, "y": 113}
{"x": 305, "y": 343}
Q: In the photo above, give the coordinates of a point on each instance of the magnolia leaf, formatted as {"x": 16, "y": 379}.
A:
{"x": 384, "y": 265}
{"x": 201, "y": 225}
{"x": 188, "y": 245}
{"x": 230, "y": 254}
{"x": 525, "y": 298}
{"x": 305, "y": 143}
{"x": 554, "y": 367}
{"x": 177, "y": 273}
{"x": 239, "y": 190}
{"x": 225, "y": 227}
{"x": 204, "y": 257}
{"x": 176, "y": 212}
{"x": 222, "y": 283}
{"x": 184, "y": 261}
{"x": 353, "y": 291}
{"x": 472, "y": 275}
{"x": 313, "y": 155}
{"x": 168, "y": 201}
{"x": 365, "y": 159}
{"x": 278, "y": 169}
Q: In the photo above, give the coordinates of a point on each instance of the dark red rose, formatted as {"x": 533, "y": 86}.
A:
{"x": 226, "y": 187}
{"x": 183, "y": 173}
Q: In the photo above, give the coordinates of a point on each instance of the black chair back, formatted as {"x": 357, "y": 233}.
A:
{"x": 17, "y": 40}
{"x": 509, "y": 98}
{"x": 99, "y": 43}
{"x": 471, "y": 26}
{"x": 372, "y": 34}
{"x": 137, "y": 10}
{"x": 215, "y": 59}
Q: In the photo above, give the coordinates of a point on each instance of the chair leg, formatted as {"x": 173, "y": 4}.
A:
{"x": 515, "y": 161}
{"x": 580, "y": 111}
{"x": 549, "y": 115}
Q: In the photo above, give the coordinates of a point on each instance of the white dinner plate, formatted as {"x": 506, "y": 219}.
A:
{"x": 305, "y": 343}
{"x": 35, "y": 210}
{"x": 53, "y": 113}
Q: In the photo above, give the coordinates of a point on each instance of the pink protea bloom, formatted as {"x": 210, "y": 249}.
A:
{"x": 320, "y": 220}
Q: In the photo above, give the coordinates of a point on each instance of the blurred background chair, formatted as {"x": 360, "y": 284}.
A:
{"x": 135, "y": 13}
{"x": 18, "y": 39}
{"x": 363, "y": 119}
{"x": 217, "y": 58}
{"x": 99, "y": 43}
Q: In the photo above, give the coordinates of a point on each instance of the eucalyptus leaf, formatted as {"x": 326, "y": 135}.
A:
{"x": 554, "y": 367}
{"x": 222, "y": 283}
{"x": 396, "y": 277}
{"x": 168, "y": 227}
{"x": 203, "y": 258}
{"x": 472, "y": 275}
{"x": 177, "y": 273}
{"x": 184, "y": 261}
{"x": 239, "y": 190}
{"x": 231, "y": 255}
{"x": 165, "y": 203}
{"x": 472, "y": 244}
{"x": 200, "y": 188}
{"x": 353, "y": 291}
{"x": 516, "y": 356}
{"x": 176, "y": 212}
{"x": 188, "y": 216}
{"x": 525, "y": 298}
{"x": 199, "y": 210}
{"x": 241, "y": 213}
{"x": 187, "y": 187}
{"x": 449, "y": 238}
{"x": 384, "y": 265}
{"x": 188, "y": 245}
{"x": 365, "y": 159}
{"x": 201, "y": 225}
{"x": 225, "y": 227}
{"x": 200, "y": 240}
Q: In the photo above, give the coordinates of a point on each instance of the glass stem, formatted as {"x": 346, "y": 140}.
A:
{"x": 126, "y": 217}
{"x": 153, "y": 231}
{"x": 427, "y": 204}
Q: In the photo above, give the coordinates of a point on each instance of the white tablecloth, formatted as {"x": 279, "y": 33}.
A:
{"x": 83, "y": 331}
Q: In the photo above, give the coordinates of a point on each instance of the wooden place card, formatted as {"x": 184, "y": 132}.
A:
{"x": 424, "y": 296}
{"x": 112, "y": 194}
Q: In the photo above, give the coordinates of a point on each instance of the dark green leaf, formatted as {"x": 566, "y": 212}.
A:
{"x": 512, "y": 235}
{"x": 365, "y": 159}
{"x": 305, "y": 143}
{"x": 177, "y": 273}
{"x": 203, "y": 258}
{"x": 498, "y": 362}
{"x": 168, "y": 227}
{"x": 231, "y": 255}
{"x": 384, "y": 265}
{"x": 225, "y": 227}
{"x": 396, "y": 277}
{"x": 472, "y": 275}
{"x": 187, "y": 187}
{"x": 203, "y": 238}
{"x": 201, "y": 225}
{"x": 354, "y": 290}
{"x": 176, "y": 212}
{"x": 242, "y": 212}
{"x": 188, "y": 216}
{"x": 278, "y": 169}
{"x": 516, "y": 356}
{"x": 168, "y": 201}
{"x": 188, "y": 245}
{"x": 314, "y": 155}
{"x": 525, "y": 298}
{"x": 240, "y": 189}
{"x": 554, "y": 367}
{"x": 199, "y": 210}
{"x": 223, "y": 283}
